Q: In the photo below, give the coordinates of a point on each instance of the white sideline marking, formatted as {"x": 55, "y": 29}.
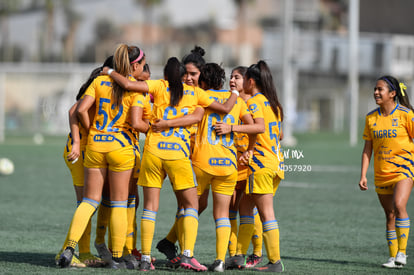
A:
{"x": 298, "y": 184}
{"x": 335, "y": 168}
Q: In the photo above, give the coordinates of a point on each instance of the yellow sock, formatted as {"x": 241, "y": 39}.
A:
{"x": 80, "y": 220}
{"x": 129, "y": 243}
{"x": 147, "y": 230}
{"x": 102, "y": 221}
{"x": 190, "y": 228}
{"x": 118, "y": 225}
{"x": 392, "y": 243}
{"x": 135, "y": 230}
{"x": 85, "y": 241}
{"x": 402, "y": 227}
{"x": 65, "y": 243}
{"x": 180, "y": 229}
{"x": 172, "y": 235}
{"x": 271, "y": 240}
{"x": 223, "y": 229}
{"x": 257, "y": 238}
{"x": 245, "y": 234}
{"x": 233, "y": 233}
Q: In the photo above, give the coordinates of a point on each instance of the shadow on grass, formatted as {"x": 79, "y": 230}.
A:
{"x": 332, "y": 261}
{"x": 48, "y": 260}
{"x": 39, "y": 259}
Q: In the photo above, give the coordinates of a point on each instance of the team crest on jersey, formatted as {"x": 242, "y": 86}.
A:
{"x": 253, "y": 108}
{"x": 395, "y": 122}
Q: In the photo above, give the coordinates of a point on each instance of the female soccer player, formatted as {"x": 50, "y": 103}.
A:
{"x": 215, "y": 157}
{"x": 73, "y": 156}
{"x": 168, "y": 153}
{"x": 193, "y": 63}
{"x": 109, "y": 153}
{"x": 389, "y": 131}
{"x": 265, "y": 161}
{"x": 242, "y": 141}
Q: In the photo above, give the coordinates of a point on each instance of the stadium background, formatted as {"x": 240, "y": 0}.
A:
{"x": 48, "y": 48}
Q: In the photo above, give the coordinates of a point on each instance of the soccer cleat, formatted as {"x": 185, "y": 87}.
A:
{"x": 401, "y": 259}
{"x": 146, "y": 266}
{"x": 237, "y": 262}
{"x": 253, "y": 260}
{"x": 276, "y": 267}
{"x": 91, "y": 260}
{"x": 76, "y": 262}
{"x": 103, "y": 252}
{"x": 167, "y": 248}
{"x": 66, "y": 257}
{"x": 117, "y": 264}
{"x": 131, "y": 262}
{"x": 391, "y": 263}
{"x": 137, "y": 254}
{"x": 174, "y": 262}
{"x": 192, "y": 263}
{"x": 217, "y": 266}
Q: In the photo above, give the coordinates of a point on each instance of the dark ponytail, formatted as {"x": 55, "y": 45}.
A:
{"x": 174, "y": 72}
{"x": 400, "y": 89}
{"x": 261, "y": 74}
{"x": 195, "y": 57}
{"x": 94, "y": 74}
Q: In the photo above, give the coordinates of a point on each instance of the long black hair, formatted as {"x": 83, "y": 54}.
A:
{"x": 174, "y": 71}
{"x": 94, "y": 74}
{"x": 260, "y": 72}
{"x": 401, "y": 95}
{"x": 213, "y": 76}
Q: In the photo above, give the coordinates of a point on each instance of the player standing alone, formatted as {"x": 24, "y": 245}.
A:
{"x": 389, "y": 131}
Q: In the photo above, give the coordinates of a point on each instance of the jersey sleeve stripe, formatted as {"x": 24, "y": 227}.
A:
{"x": 373, "y": 111}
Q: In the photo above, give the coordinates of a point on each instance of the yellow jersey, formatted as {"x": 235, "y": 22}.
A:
{"x": 267, "y": 150}
{"x": 174, "y": 143}
{"x": 217, "y": 154}
{"x": 143, "y": 101}
{"x": 109, "y": 128}
{"x": 392, "y": 143}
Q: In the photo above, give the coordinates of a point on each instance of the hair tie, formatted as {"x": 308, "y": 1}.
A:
{"x": 402, "y": 88}
{"x": 141, "y": 54}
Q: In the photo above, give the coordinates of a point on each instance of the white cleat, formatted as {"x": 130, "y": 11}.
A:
{"x": 391, "y": 263}
{"x": 401, "y": 259}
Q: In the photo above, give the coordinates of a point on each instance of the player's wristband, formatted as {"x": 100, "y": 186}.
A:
{"x": 110, "y": 71}
{"x": 235, "y": 92}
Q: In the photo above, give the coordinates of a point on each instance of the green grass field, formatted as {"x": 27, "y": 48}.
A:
{"x": 327, "y": 226}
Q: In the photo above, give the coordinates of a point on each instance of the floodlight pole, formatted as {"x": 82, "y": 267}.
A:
{"x": 353, "y": 70}
{"x": 288, "y": 74}
{"x": 2, "y": 107}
